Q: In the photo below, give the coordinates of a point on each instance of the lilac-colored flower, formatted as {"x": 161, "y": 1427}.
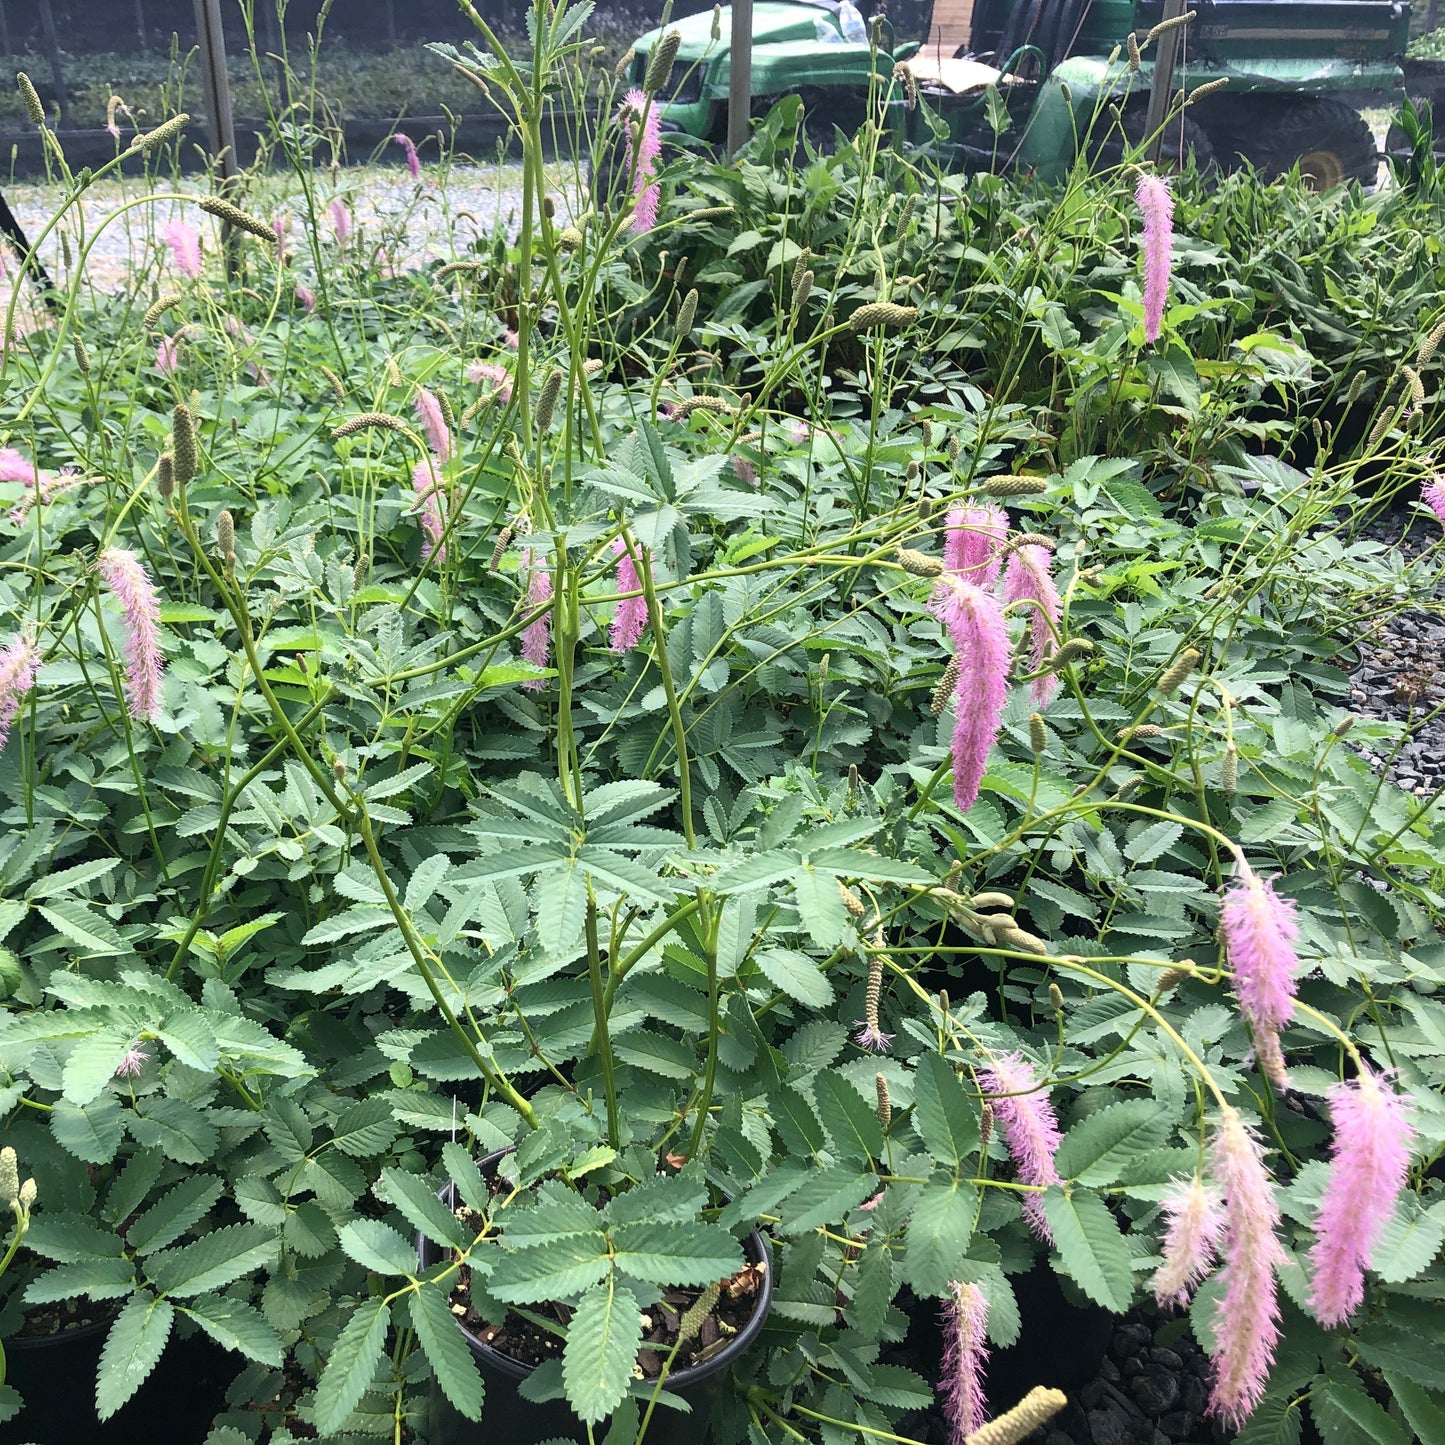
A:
{"x": 434, "y": 422}
{"x": 306, "y": 297}
{"x": 537, "y": 635}
{"x": 1247, "y": 1320}
{"x": 1433, "y": 495}
{"x": 17, "y": 467}
{"x": 511, "y": 339}
{"x": 341, "y": 220}
{"x": 185, "y": 243}
{"x": 499, "y": 376}
{"x": 975, "y": 622}
{"x": 798, "y": 431}
{"x": 45, "y": 490}
{"x": 1157, "y": 205}
{"x": 745, "y": 470}
{"x": 1260, "y": 929}
{"x": 131, "y": 586}
{"x": 1027, "y": 578}
{"x": 643, "y": 111}
{"x": 168, "y": 355}
{"x": 631, "y": 617}
{"x": 428, "y": 487}
{"x": 973, "y": 542}
{"x": 413, "y": 161}
{"x": 1368, "y": 1162}
{"x": 130, "y": 1065}
{"x": 280, "y": 224}
{"x": 1030, "y": 1128}
{"x": 965, "y": 1352}
{"x": 1191, "y": 1240}
{"x": 19, "y": 662}
{"x": 872, "y": 1037}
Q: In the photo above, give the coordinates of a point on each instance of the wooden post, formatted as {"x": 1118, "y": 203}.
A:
{"x": 740, "y": 76}
{"x": 4, "y": 30}
{"x": 140, "y": 22}
{"x": 1163, "y": 85}
{"x": 217, "y": 85}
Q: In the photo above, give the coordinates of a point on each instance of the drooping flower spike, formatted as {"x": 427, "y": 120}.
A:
{"x": 965, "y": 1353}
{"x": 1030, "y": 1128}
{"x": 630, "y": 621}
{"x": 1191, "y": 1240}
{"x": 643, "y": 112}
{"x": 19, "y": 662}
{"x": 1027, "y": 578}
{"x": 129, "y": 583}
{"x": 537, "y": 635}
{"x": 427, "y": 483}
{"x": 1433, "y": 495}
{"x": 1260, "y": 929}
{"x": 413, "y": 161}
{"x": 185, "y": 243}
{"x": 973, "y": 543}
{"x": 434, "y": 422}
{"x": 1157, "y": 205}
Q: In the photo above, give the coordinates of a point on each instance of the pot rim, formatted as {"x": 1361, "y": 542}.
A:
{"x": 755, "y": 1246}
{"x": 61, "y": 1337}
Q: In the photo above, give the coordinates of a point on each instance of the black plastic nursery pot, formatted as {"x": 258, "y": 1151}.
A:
{"x": 508, "y": 1416}
{"x": 55, "y": 1375}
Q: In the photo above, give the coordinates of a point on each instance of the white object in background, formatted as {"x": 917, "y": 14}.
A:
{"x": 826, "y": 34}
{"x": 850, "y": 21}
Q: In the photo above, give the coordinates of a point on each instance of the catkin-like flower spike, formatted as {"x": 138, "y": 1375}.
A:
{"x": 30, "y": 98}
{"x": 1036, "y": 1408}
{"x": 1202, "y": 92}
{"x": 943, "y": 690}
{"x": 413, "y": 161}
{"x": 973, "y": 543}
{"x": 226, "y": 538}
{"x": 547, "y": 396}
{"x": 965, "y": 1353}
{"x": 1260, "y": 929}
{"x": 166, "y": 476}
{"x": 685, "y": 408}
{"x": 660, "y": 63}
{"x": 975, "y": 623}
{"x": 1157, "y": 206}
{"x": 163, "y": 134}
{"x": 1369, "y": 1159}
{"x": 630, "y": 621}
{"x": 462, "y": 268}
{"x": 1135, "y": 59}
{"x": 697, "y": 1312}
{"x": 687, "y": 315}
{"x": 19, "y": 663}
{"x": 1030, "y": 1128}
{"x": 1070, "y": 651}
{"x": 183, "y": 444}
{"x": 1191, "y": 1239}
{"x": 1229, "y": 771}
{"x": 434, "y": 423}
{"x": 851, "y": 901}
{"x": 801, "y": 265}
{"x": 159, "y": 307}
{"x": 886, "y": 314}
{"x": 1247, "y": 1320}
{"x": 537, "y": 635}
{"x": 1027, "y": 579}
{"x": 885, "y": 1101}
{"x": 1038, "y": 734}
{"x": 233, "y": 215}
{"x": 905, "y": 218}
{"x": 1431, "y": 343}
{"x": 382, "y": 421}
{"x": 919, "y": 564}
{"x": 338, "y": 390}
{"x": 9, "y": 1176}
{"x": 1178, "y": 671}
{"x": 870, "y": 1035}
{"x": 129, "y": 583}
{"x": 1173, "y": 23}
{"x": 1015, "y": 486}
{"x": 504, "y": 540}
{"x": 1417, "y": 387}
{"x": 82, "y": 356}
{"x": 904, "y": 77}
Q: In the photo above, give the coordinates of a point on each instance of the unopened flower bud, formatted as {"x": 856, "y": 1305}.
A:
{"x": 1178, "y": 672}
{"x": 27, "y": 1195}
{"x": 716, "y": 32}
{"x": 30, "y": 98}
{"x": 1144, "y": 730}
{"x": 1056, "y": 998}
{"x": 1171, "y": 978}
{"x": 852, "y": 779}
{"x": 951, "y": 448}
{"x": 885, "y": 1101}
{"x": 852, "y": 904}
{"x": 1038, "y": 733}
{"x": 985, "y": 1127}
{"x": 943, "y": 689}
{"x": 338, "y": 770}
{"x": 919, "y": 564}
{"x": 1037, "y": 1407}
{"x": 183, "y": 444}
{"x": 82, "y": 357}
{"x": 569, "y": 238}
{"x": 233, "y": 215}
{"x": 659, "y": 64}
{"x": 226, "y": 537}
{"x": 504, "y": 540}
{"x": 1135, "y": 60}
{"x": 687, "y": 314}
{"x": 886, "y": 314}
{"x": 166, "y": 476}
{"x": 1229, "y": 771}
{"x": 380, "y": 420}
{"x": 1344, "y": 725}
{"x": 1015, "y": 486}
{"x": 547, "y": 398}
{"x": 9, "y": 1177}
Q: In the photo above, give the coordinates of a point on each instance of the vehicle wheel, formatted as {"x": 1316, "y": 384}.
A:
{"x": 1330, "y": 141}
{"x": 1183, "y": 138}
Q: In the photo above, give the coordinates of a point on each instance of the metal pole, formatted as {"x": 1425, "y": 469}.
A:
{"x": 1163, "y": 84}
{"x": 740, "y": 76}
{"x": 217, "y": 84}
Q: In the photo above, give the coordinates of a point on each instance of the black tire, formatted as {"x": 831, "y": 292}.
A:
{"x": 1330, "y": 141}
{"x": 1182, "y": 139}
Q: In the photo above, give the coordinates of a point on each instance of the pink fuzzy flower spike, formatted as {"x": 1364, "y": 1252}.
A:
{"x": 428, "y": 488}
{"x": 19, "y": 663}
{"x": 130, "y": 584}
{"x": 413, "y": 161}
{"x": 17, "y": 467}
{"x": 433, "y": 419}
{"x": 631, "y": 618}
{"x": 306, "y": 296}
{"x": 965, "y": 1315}
{"x": 638, "y": 109}
{"x": 499, "y": 376}
{"x": 185, "y": 244}
{"x": 1027, "y": 578}
{"x": 1030, "y": 1129}
{"x": 1157, "y": 206}
{"x": 1368, "y": 1163}
{"x": 1247, "y": 1320}
{"x": 1433, "y": 495}
{"x": 1196, "y": 1225}
{"x": 975, "y": 623}
{"x": 1260, "y": 930}
{"x": 341, "y": 220}
{"x": 973, "y": 542}
{"x": 537, "y": 635}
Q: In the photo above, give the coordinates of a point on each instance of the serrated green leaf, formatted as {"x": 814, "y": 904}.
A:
{"x": 1426, "y": 1417}
{"x": 1152, "y": 842}
{"x": 463, "y": 1172}
{"x": 554, "y": 1271}
{"x": 92, "y": 1132}
{"x": 1346, "y": 1415}
{"x": 92, "y": 1063}
{"x": 1409, "y": 1242}
{"x": 70, "y": 1239}
{"x": 351, "y": 1366}
{"x": 662, "y": 1199}
{"x": 212, "y": 1262}
{"x": 416, "y": 1199}
{"x": 446, "y": 1351}
{"x": 601, "y": 1351}
{"x": 676, "y": 1254}
{"x": 795, "y": 974}
{"x": 1098, "y": 1148}
{"x": 872, "y": 1283}
{"x": 1274, "y": 1422}
{"x": 397, "y": 783}
{"x": 99, "y": 1279}
{"x": 187, "y": 1034}
{"x": 851, "y": 1121}
{"x": 365, "y": 1128}
{"x": 1410, "y": 1355}
{"x": 942, "y": 1113}
{"x": 174, "y": 1213}
{"x": 238, "y": 1326}
{"x": 83, "y": 926}
{"x": 897, "y": 1388}
{"x": 1089, "y": 1242}
{"x": 180, "y": 1130}
{"x": 377, "y": 1246}
{"x": 939, "y": 1229}
{"x": 826, "y": 1197}
{"x": 820, "y": 906}
{"x": 132, "y": 1347}
{"x": 658, "y": 1054}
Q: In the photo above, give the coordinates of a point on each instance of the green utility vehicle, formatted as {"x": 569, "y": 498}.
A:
{"x": 1297, "y": 71}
